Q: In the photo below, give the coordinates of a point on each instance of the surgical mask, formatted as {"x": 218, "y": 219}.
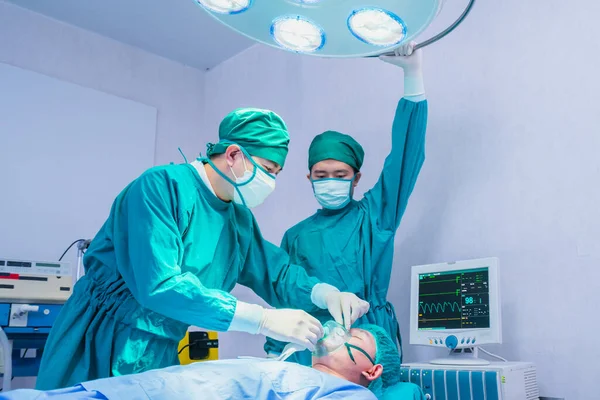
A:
{"x": 335, "y": 337}
{"x": 333, "y": 193}
{"x": 252, "y": 188}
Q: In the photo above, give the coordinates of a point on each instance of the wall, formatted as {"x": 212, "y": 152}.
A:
{"x": 512, "y": 166}
{"x": 61, "y": 51}
{"x": 39, "y": 44}
{"x": 66, "y": 152}
{"x": 71, "y": 54}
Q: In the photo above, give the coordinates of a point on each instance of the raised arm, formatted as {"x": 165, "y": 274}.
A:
{"x": 389, "y": 197}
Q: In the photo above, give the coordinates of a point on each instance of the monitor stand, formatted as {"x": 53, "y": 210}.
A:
{"x": 467, "y": 356}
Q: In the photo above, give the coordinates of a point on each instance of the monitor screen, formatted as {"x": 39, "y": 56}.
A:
{"x": 454, "y": 300}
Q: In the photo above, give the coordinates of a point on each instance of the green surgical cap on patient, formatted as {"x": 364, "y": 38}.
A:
{"x": 386, "y": 354}
{"x": 262, "y": 133}
{"x": 333, "y": 145}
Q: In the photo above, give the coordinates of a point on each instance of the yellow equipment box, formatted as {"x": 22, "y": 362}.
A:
{"x": 198, "y": 346}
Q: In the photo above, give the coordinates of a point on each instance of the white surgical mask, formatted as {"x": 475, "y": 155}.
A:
{"x": 333, "y": 193}
{"x": 252, "y": 188}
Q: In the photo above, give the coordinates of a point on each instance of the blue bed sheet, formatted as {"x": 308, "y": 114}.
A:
{"x": 221, "y": 380}
{"x": 224, "y": 379}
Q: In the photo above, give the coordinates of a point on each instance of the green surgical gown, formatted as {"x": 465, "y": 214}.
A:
{"x": 353, "y": 248}
{"x": 165, "y": 259}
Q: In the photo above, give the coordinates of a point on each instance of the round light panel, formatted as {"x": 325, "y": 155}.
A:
{"x": 377, "y": 27}
{"x": 225, "y": 6}
{"x": 297, "y": 34}
{"x": 328, "y": 28}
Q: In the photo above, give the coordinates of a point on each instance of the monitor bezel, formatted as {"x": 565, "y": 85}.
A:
{"x": 491, "y": 335}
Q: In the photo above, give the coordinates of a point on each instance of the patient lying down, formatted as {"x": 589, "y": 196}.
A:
{"x": 366, "y": 356}
{"x": 361, "y": 368}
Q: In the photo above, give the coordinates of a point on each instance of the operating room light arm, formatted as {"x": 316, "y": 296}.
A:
{"x": 149, "y": 253}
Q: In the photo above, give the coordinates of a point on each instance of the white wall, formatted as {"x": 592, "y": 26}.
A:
{"x": 32, "y": 41}
{"x": 66, "y": 152}
{"x": 512, "y": 166}
{"x": 39, "y": 44}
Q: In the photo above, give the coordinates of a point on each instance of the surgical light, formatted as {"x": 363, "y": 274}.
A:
{"x": 226, "y": 6}
{"x": 297, "y": 34}
{"x": 376, "y": 26}
{"x": 332, "y": 28}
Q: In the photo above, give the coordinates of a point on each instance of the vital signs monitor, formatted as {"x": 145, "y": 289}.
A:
{"x": 457, "y": 306}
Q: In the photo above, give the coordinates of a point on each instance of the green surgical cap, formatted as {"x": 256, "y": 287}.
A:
{"x": 386, "y": 354}
{"x": 333, "y": 145}
{"x": 262, "y": 133}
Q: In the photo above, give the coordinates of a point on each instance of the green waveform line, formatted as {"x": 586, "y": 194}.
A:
{"x": 456, "y": 293}
{"x": 439, "y": 307}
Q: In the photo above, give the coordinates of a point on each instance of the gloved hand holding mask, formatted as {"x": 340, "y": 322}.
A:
{"x": 294, "y": 326}
{"x": 344, "y": 307}
{"x": 286, "y": 325}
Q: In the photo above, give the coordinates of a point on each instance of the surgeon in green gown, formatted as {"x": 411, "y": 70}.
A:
{"x": 177, "y": 240}
{"x": 349, "y": 243}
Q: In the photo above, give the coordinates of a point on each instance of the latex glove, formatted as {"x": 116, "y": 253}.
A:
{"x": 344, "y": 307}
{"x": 294, "y": 326}
{"x": 411, "y": 62}
{"x": 286, "y": 325}
{"x": 406, "y": 58}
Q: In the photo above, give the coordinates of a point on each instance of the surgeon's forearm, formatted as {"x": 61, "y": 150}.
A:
{"x": 247, "y": 318}
{"x": 211, "y": 309}
{"x": 414, "y": 86}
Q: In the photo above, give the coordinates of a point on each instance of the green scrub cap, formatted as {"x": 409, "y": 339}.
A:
{"x": 386, "y": 354}
{"x": 261, "y": 132}
{"x": 333, "y": 145}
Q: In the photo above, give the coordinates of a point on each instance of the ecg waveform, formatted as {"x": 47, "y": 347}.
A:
{"x": 439, "y": 307}
{"x": 454, "y": 300}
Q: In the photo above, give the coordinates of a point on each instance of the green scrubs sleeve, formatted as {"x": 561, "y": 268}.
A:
{"x": 285, "y": 242}
{"x": 268, "y": 272}
{"x": 388, "y": 199}
{"x": 149, "y": 253}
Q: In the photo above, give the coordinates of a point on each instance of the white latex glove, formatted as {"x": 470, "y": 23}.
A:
{"x": 344, "y": 307}
{"x": 411, "y": 62}
{"x": 286, "y": 325}
{"x": 294, "y": 326}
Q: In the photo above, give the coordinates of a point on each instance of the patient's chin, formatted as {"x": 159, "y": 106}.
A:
{"x": 326, "y": 361}
{"x": 319, "y": 360}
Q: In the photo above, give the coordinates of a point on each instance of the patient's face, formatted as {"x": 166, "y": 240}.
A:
{"x": 362, "y": 370}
